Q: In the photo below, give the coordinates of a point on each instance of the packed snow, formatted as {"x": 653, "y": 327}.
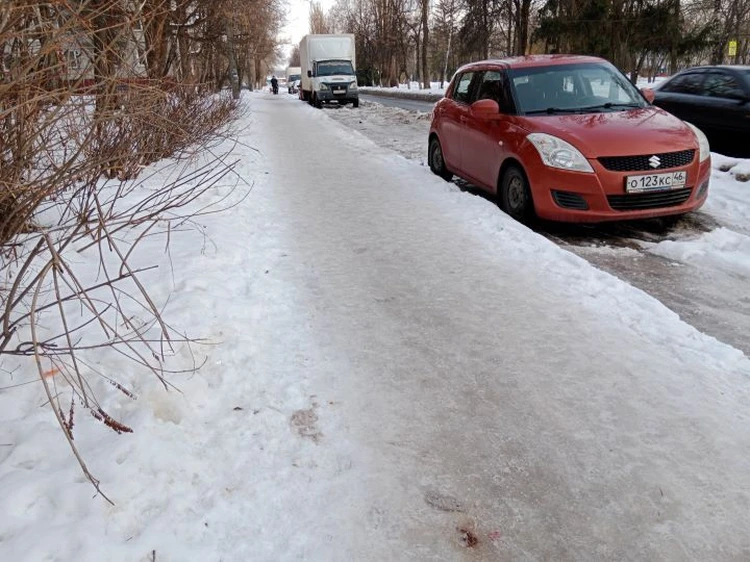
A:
{"x": 391, "y": 370}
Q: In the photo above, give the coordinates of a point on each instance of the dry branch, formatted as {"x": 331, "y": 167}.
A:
{"x": 73, "y": 145}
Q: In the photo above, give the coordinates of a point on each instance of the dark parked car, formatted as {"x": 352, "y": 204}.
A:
{"x": 716, "y": 99}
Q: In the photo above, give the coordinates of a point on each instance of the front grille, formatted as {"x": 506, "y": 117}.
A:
{"x": 337, "y": 87}
{"x": 568, "y": 200}
{"x": 643, "y": 162}
{"x": 638, "y": 201}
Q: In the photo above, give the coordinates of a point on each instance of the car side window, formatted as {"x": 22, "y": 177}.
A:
{"x": 691, "y": 83}
{"x": 720, "y": 85}
{"x": 462, "y": 91}
{"x": 493, "y": 86}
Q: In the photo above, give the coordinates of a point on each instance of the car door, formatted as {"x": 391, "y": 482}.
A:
{"x": 725, "y": 102}
{"x": 683, "y": 97}
{"x": 483, "y": 149}
{"x": 453, "y": 118}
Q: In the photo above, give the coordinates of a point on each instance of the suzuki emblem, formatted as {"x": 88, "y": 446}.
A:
{"x": 654, "y": 161}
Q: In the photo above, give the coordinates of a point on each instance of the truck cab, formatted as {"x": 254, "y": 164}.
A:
{"x": 334, "y": 80}
{"x": 328, "y": 69}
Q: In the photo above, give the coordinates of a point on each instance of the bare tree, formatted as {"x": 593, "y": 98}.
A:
{"x": 318, "y": 20}
{"x": 69, "y": 178}
{"x": 294, "y": 59}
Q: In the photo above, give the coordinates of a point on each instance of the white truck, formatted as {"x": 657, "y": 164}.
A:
{"x": 293, "y": 76}
{"x": 328, "y": 69}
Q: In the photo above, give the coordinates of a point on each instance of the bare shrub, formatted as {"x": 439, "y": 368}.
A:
{"x": 72, "y": 149}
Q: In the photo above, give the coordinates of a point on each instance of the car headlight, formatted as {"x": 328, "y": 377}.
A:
{"x": 557, "y": 153}
{"x": 353, "y": 85}
{"x": 705, "y": 149}
{"x": 323, "y": 87}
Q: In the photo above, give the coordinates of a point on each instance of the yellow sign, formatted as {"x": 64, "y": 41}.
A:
{"x": 733, "y": 48}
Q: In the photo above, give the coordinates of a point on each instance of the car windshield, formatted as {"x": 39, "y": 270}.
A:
{"x": 334, "y": 67}
{"x": 294, "y": 77}
{"x": 574, "y": 88}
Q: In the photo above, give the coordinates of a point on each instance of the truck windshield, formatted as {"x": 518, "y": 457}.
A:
{"x": 293, "y": 77}
{"x": 333, "y": 67}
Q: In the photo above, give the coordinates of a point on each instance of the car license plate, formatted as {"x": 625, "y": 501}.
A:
{"x": 655, "y": 182}
{"x": 339, "y": 91}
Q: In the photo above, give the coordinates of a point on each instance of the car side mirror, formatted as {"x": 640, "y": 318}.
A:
{"x": 648, "y": 93}
{"x": 309, "y": 73}
{"x": 486, "y": 109}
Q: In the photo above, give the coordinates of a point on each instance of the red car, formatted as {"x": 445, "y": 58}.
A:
{"x": 567, "y": 138}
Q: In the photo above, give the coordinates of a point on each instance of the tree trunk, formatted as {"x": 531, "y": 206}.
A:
{"x": 425, "y": 42}
{"x": 234, "y": 77}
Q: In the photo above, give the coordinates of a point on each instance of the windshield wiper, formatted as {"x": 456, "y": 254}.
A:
{"x": 553, "y": 110}
{"x": 609, "y": 105}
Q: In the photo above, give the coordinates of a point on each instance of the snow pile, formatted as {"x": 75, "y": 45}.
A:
{"x": 726, "y": 248}
{"x": 721, "y": 248}
{"x": 435, "y": 89}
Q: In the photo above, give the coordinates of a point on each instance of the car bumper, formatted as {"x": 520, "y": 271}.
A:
{"x": 600, "y": 197}
{"x": 328, "y": 96}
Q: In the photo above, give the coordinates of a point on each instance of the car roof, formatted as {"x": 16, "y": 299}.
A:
{"x": 531, "y": 61}
{"x": 718, "y": 67}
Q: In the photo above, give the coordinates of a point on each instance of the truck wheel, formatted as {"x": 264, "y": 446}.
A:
{"x": 355, "y": 103}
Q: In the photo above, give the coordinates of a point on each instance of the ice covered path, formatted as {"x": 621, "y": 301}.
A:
{"x": 477, "y": 382}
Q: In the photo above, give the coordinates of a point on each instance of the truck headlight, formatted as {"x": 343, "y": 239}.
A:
{"x": 353, "y": 85}
{"x": 557, "y": 153}
{"x": 705, "y": 149}
{"x": 323, "y": 86}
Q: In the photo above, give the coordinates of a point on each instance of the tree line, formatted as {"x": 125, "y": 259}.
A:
{"x": 423, "y": 41}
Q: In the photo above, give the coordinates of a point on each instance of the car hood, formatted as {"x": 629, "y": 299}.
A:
{"x": 647, "y": 130}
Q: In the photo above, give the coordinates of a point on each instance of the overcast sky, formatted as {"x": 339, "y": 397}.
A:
{"x": 298, "y": 23}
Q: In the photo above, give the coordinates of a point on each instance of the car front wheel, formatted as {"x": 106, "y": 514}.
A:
{"x": 514, "y": 195}
{"x": 437, "y": 162}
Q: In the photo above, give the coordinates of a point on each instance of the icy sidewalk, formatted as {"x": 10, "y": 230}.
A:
{"x": 397, "y": 372}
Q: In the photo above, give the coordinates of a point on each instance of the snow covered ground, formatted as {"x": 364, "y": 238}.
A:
{"x": 394, "y": 370}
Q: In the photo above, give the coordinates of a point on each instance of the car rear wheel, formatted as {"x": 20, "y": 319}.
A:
{"x": 514, "y": 195}
{"x": 437, "y": 162}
